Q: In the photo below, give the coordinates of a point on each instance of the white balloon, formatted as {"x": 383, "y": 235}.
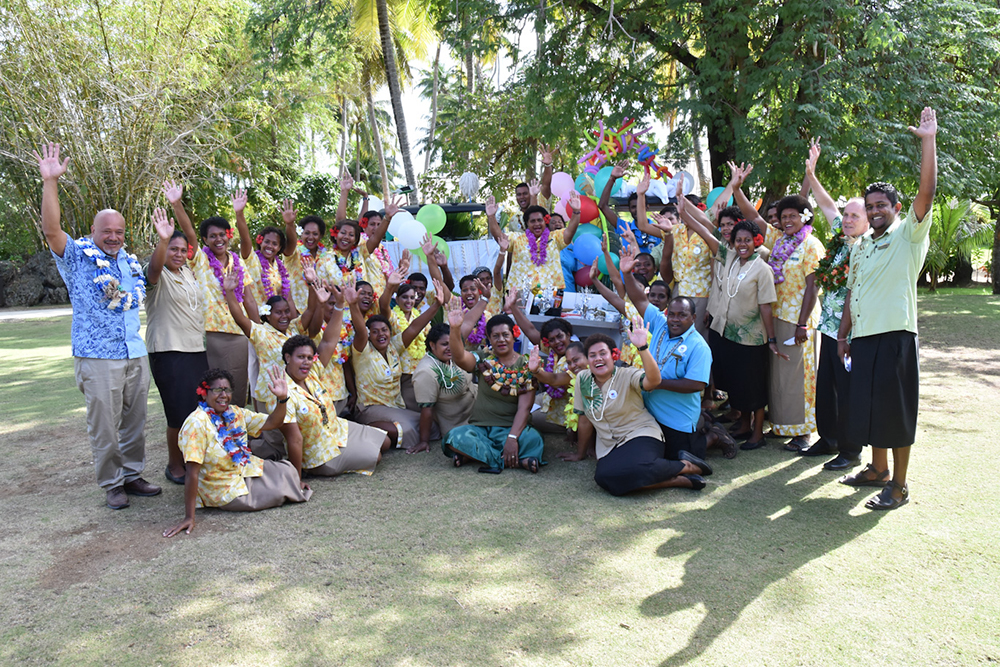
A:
{"x": 399, "y": 220}
{"x": 688, "y": 182}
{"x": 411, "y": 234}
{"x": 374, "y": 204}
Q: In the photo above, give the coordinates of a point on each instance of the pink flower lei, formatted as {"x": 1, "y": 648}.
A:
{"x": 539, "y": 246}
{"x": 216, "y": 265}
{"x": 550, "y": 364}
{"x": 265, "y": 278}
{"x": 783, "y": 249}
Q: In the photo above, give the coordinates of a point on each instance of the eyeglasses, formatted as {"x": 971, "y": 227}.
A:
{"x": 219, "y": 391}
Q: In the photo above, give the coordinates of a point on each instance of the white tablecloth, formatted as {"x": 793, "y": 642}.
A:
{"x": 463, "y": 258}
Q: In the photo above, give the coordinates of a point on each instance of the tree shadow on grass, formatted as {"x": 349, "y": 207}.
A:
{"x": 767, "y": 529}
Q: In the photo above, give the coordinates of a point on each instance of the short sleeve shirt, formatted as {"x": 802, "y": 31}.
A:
{"x": 447, "y": 388}
{"x": 217, "y": 315}
{"x": 831, "y": 306}
{"x": 883, "y": 277}
{"x": 324, "y": 434}
{"x": 175, "y": 319}
{"x": 692, "y": 264}
{"x": 267, "y": 342}
{"x": 262, "y": 292}
{"x": 684, "y": 357}
{"x": 377, "y": 377}
{"x": 801, "y": 264}
{"x": 524, "y": 271}
{"x": 744, "y": 288}
{"x": 409, "y": 356}
{"x": 99, "y": 333}
{"x": 220, "y": 480}
{"x": 493, "y": 407}
{"x": 616, "y": 410}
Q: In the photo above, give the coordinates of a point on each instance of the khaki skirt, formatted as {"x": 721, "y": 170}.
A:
{"x": 277, "y": 484}
{"x": 360, "y": 454}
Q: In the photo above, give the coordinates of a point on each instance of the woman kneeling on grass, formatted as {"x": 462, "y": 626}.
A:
{"x": 221, "y": 471}
{"x": 498, "y": 434}
{"x": 319, "y": 442}
{"x": 630, "y": 446}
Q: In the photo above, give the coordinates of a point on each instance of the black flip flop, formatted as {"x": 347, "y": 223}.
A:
{"x": 490, "y": 471}
{"x": 532, "y": 463}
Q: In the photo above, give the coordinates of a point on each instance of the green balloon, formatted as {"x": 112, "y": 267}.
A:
{"x": 432, "y": 217}
{"x": 602, "y": 265}
{"x": 442, "y": 244}
{"x": 585, "y": 229}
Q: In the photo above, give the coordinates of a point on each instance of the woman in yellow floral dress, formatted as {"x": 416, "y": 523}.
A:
{"x": 221, "y": 471}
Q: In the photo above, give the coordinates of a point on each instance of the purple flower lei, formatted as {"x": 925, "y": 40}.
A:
{"x": 539, "y": 247}
{"x": 478, "y": 334}
{"x": 216, "y": 265}
{"x": 783, "y": 249}
{"x": 265, "y": 278}
{"x": 550, "y": 364}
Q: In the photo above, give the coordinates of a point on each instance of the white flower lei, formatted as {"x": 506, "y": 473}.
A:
{"x": 118, "y": 299}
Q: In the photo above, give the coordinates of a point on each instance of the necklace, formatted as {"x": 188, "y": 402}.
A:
{"x": 660, "y": 361}
{"x": 235, "y": 266}
{"x": 449, "y": 376}
{"x": 228, "y": 433}
{"x": 319, "y": 403}
{"x": 538, "y": 246}
{"x": 119, "y": 300}
{"x": 504, "y": 380}
{"x": 595, "y": 392}
{"x": 265, "y": 276}
{"x": 553, "y": 392}
{"x": 739, "y": 278}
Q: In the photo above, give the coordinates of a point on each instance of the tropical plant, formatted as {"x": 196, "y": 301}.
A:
{"x": 959, "y": 229}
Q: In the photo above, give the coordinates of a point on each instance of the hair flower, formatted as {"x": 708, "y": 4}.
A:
{"x": 806, "y": 216}
{"x": 616, "y": 354}
{"x": 516, "y": 331}
{"x": 202, "y": 389}
{"x": 264, "y": 309}
{"x": 229, "y": 233}
{"x": 758, "y": 241}
{"x": 259, "y": 239}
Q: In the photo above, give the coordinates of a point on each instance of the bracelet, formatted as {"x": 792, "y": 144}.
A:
{"x": 336, "y": 307}
{"x": 546, "y": 164}
{"x": 483, "y": 298}
{"x": 283, "y": 400}
{"x": 801, "y": 326}
{"x": 643, "y": 348}
{"x": 365, "y": 198}
{"x": 511, "y": 435}
{"x": 841, "y": 340}
{"x": 771, "y": 341}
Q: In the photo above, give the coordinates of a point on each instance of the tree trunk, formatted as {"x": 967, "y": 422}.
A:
{"x": 344, "y": 132}
{"x": 699, "y": 163}
{"x": 719, "y": 152}
{"x": 357, "y": 152}
{"x": 377, "y": 139}
{"x": 434, "y": 112}
{"x": 396, "y": 95}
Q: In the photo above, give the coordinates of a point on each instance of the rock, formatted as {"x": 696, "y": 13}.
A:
{"x": 8, "y": 271}
{"x": 44, "y": 265}
{"x": 27, "y": 289}
{"x": 55, "y": 296}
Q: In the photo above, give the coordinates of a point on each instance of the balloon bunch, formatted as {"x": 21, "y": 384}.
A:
{"x": 609, "y": 145}
{"x": 409, "y": 230}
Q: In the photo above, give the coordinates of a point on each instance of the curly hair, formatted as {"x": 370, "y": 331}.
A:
{"x": 215, "y": 221}
{"x": 295, "y": 342}
{"x": 887, "y": 189}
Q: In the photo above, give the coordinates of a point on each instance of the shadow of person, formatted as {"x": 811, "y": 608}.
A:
{"x": 767, "y": 527}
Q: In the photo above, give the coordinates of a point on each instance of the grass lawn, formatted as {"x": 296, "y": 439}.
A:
{"x": 773, "y": 564}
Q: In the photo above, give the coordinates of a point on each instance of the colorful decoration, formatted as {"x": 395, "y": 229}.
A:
{"x": 118, "y": 299}
{"x": 612, "y": 144}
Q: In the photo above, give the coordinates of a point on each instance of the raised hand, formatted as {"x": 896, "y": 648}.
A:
{"x": 491, "y": 206}
{"x": 639, "y": 336}
{"x": 662, "y": 222}
{"x": 814, "y": 151}
{"x": 455, "y": 317}
{"x": 440, "y": 259}
{"x": 346, "y": 182}
{"x": 534, "y": 360}
{"x": 627, "y": 258}
{"x": 276, "y": 382}
{"x": 229, "y": 282}
{"x": 442, "y": 294}
{"x": 239, "y": 199}
{"x": 679, "y": 193}
{"x": 162, "y": 224}
{"x": 48, "y": 162}
{"x": 630, "y": 238}
{"x": 288, "y": 211}
{"x": 395, "y": 279}
{"x": 322, "y": 291}
{"x": 643, "y": 184}
{"x": 619, "y": 169}
{"x": 428, "y": 245}
{"x": 735, "y": 175}
{"x": 172, "y": 191}
{"x": 574, "y": 201}
{"x": 504, "y": 243}
{"x": 595, "y": 273}
{"x": 511, "y": 301}
{"x": 483, "y": 289}
{"x": 350, "y": 294}
{"x": 547, "y": 153}
{"x": 309, "y": 273}
{"x": 338, "y": 296}
{"x": 404, "y": 263}
{"x": 392, "y": 206}
{"x": 928, "y": 124}
{"x": 534, "y": 187}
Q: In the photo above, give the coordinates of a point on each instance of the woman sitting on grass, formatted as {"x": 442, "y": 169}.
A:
{"x": 498, "y": 435}
{"x": 444, "y": 391}
{"x": 221, "y": 471}
{"x": 319, "y": 442}
{"x": 630, "y": 446}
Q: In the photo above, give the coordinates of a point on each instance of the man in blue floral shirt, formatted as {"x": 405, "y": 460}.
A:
{"x": 106, "y": 288}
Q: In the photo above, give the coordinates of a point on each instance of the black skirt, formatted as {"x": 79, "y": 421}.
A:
{"x": 177, "y": 375}
{"x": 741, "y": 371}
{"x": 884, "y": 390}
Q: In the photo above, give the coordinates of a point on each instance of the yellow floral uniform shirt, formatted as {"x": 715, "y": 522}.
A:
{"x": 321, "y": 442}
{"x": 274, "y": 276}
{"x": 294, "y": 264}
{"x": 692, "y": 264}
{"x": 630, "y": 356}
{"x": 217, "y": 316}
{"x": 523, "y": 271}
{"x": 220, "y": 480}
{"x": 267, "y": 342}
{"x": 340, "y": 269}
{"x": 332, "y": 376}
{"x": 377, "y": 377}
{"x": 555, "y": 408}
{"x": 802, "y": 262}
{"x": 410, "y": 356}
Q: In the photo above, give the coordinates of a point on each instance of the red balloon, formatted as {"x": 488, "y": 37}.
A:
{"x": 582, "y": 277}
{"x": 588, "y": 209}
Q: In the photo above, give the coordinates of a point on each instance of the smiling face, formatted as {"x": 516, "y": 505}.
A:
{"x": 744, "y": 244}
{"x": 217, "y": 241}
{"x": 556, "y": 222}
{"x": 679, "y": 318}
{"x": 536, "y": 223}
{"x": 371, "y": 222}
{"x": 310, "y": 235}
{"x": 501, "y": 339}
{"x": 881, "y": 213}
{"x": 177, "y": 253}
{"x": 219, "y": 394}
{"x": 791, "y": 221}
{"x": 855, "y": 218}
{"x": 772, "y": 217}
{"x": 575, "y": 359}
{"x": 281, "y": 316}
{"x": 726, "y": 225}
{"x": 644, "y": 267}
{"x": 270, "y": 245}
{"x": 442, "y": 349}
{"x": 366, "y": 297}
{"x": 523, "y": 196}
{"x": 486, "y": 278}
{"x": 558, "y": 341}
{"x": 419, "y": 290}
{"x": 470, "y": 293}
{"x": 406, "y": 300}
{"x": 600, "y": 361}
{"x": 347, "y": 238}
{"x": 108, "y": 231}
{"x": 659, "y": 297}
{"x": 300, "y": 362}
{"x": 379, "y": 334}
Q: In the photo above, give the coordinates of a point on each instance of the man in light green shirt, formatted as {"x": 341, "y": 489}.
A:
{"x": 880, "y": 317}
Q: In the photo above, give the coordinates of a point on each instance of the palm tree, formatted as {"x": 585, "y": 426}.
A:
{"x": 960, "y": 228}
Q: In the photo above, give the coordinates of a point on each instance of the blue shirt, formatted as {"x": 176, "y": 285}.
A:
{"x": 645, "y": 241}
{"x": 685, "y": 357}
{"x": 99, "y": 333}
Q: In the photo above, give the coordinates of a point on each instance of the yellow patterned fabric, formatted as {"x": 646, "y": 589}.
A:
{"x": 377, "y": 377}
{"x": 320, "y": 442}
{"x": 524, "y": 272}
{"x": 555, "y": 408}
{"x": 802, "y": 263}
{"x": 217, "y": 316}
{"x": 771, "y": 236}
{"x": 300, "y": 291}
{"x": 341, "y": 268}
{"x": 267, "y": 342}
{"x": 410, "y": 356}
{"x": 220, "y": 481}
{"x": 255, "y": 268}
{"x": 630, "y": 356}
{"x": 332, "y": 376}
{"x": 692, "y": 264}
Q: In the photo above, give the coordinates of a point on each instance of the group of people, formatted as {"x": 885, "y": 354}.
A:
{"x": 306, "y": 353}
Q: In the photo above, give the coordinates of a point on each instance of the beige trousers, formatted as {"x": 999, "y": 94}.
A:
{"x": 115, "y": 390}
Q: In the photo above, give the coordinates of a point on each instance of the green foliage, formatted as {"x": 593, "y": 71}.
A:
{"x": 959, "y": 230}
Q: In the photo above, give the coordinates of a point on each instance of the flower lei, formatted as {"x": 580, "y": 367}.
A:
{"x": 478, "y": 335}
{"x": 216, "y": 265}
{"x": 232, "y": 438}
{"x": 507, "y": 381}
{"x": 349, "y": 264}
{"x": 119, "y": 300}
{"x": 572, "y": 419}
{"x": 539, "y": 246}
{"x": 550, "y": 364}
{"x": 833, "y": 269}
{"x": 381, "y": 254}
{"x": 783, "y": 249}
{"x": 265, "y": 278}
{"x": 346, "y": 339}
